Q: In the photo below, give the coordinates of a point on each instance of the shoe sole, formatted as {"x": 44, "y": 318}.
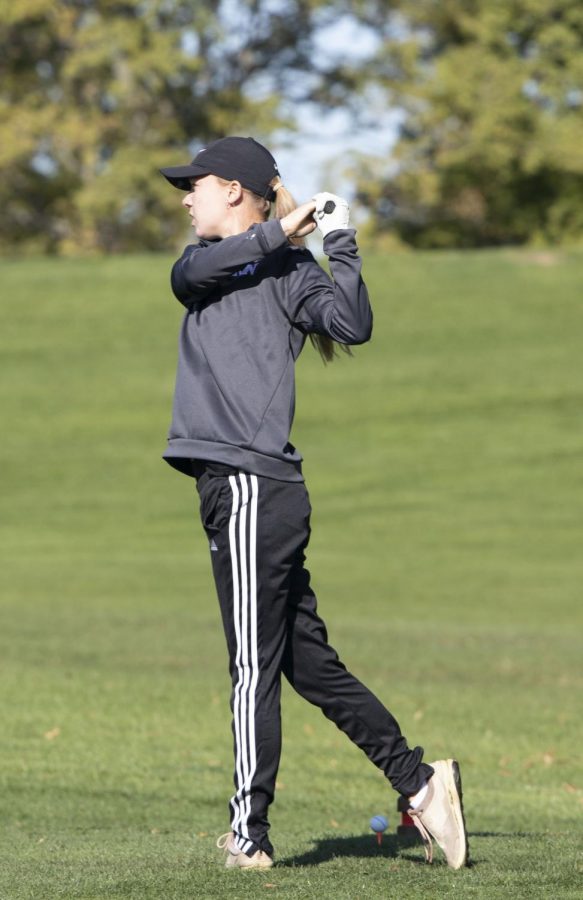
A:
{"x": 454, "y": 786}
{"x": 249, "y": 868}
{"x": 244, "y": 866}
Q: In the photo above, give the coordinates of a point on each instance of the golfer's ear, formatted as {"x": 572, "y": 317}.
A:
{"x": 235, "y": 192}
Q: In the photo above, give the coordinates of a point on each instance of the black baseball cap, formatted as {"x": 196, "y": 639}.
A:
{"x": 240, "y": 159}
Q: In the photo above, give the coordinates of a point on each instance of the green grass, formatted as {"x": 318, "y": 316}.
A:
{"x": 444, "y": 464}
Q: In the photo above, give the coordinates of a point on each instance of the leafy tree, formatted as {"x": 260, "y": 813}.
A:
{"x": 95, "y": 95}
{"x": 490, "y": 148}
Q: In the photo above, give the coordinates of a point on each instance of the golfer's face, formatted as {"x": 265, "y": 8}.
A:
{"x": 206, "y": 205}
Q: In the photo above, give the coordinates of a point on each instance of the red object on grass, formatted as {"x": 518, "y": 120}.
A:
{"x": 406, "y": 831}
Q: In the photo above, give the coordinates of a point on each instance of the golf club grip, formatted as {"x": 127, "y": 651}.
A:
{"x": 329, "y": 207}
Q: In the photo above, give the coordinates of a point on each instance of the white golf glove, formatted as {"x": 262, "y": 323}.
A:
{"x": 330, "y": 221}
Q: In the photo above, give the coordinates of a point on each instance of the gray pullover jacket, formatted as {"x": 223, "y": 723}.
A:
{"x": 251, "y": 299}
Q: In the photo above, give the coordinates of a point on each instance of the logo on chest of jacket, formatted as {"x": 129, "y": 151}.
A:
{"x": 249, "y": 269}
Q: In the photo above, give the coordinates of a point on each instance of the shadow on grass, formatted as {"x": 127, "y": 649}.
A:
{"x": 502, "y": 834}
{"x": 328, "y": 848}
{"x": 365, "y": 846}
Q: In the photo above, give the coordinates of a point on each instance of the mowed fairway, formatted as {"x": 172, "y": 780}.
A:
{"x": 445, "y": 468}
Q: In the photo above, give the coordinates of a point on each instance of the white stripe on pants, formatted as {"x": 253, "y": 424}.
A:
{"x": 244, "y": 571}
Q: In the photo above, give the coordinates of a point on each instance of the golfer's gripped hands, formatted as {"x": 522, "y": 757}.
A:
{"x": 300, "y": 221}
{"x": 339, "y": 216}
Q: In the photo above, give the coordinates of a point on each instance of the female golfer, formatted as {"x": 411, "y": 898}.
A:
{"x": 253, "y": 294}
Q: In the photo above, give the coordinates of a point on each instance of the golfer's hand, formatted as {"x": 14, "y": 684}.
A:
{"x": 300, "y": 221}
{"x": 335, "y": 220}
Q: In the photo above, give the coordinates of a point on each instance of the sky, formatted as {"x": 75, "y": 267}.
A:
{"x": 314, "y": 158}
{"x": 317, "y": 158}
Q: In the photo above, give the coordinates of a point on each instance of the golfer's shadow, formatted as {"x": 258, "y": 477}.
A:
{"x": 363, "y": 846}
{"x": 328, "y": 848}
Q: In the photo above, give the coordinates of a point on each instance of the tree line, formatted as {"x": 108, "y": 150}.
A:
{"x": 96, "y": 95}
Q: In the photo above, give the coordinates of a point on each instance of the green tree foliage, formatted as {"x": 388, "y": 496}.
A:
{"x": 95, "y": 95}
{"x": 490, "y": 147}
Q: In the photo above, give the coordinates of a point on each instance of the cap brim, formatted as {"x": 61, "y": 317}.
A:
{"x": 180, "y": 176}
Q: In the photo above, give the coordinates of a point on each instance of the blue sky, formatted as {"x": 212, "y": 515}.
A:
{"x": 317, "y": 156}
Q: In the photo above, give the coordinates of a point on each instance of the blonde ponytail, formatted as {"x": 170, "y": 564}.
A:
{"x": 283, "y": 205}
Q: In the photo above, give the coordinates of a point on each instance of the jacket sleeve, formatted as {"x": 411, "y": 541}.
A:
{"x": 202, "y": 267}
{"x": 337, "y": 307}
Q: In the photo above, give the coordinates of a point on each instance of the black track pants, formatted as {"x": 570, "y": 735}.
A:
{"x": 258, "y": 529}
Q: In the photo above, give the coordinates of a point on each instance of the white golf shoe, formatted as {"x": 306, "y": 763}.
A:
{"x": 440, "y": 815}
{"x": 236, "y": 859}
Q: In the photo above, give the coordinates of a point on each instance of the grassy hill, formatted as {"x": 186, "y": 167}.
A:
{"x": 444, "y": 463}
